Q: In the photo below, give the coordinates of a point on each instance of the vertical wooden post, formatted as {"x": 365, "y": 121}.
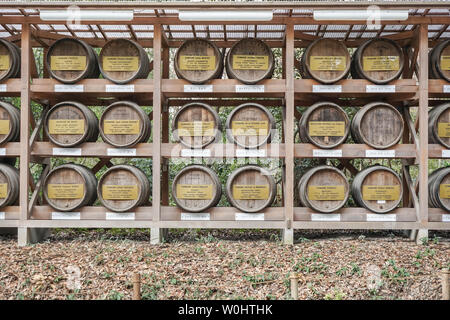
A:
{"x": 445, "y": 284}
{"x": 136, "y": 286}
{"x": 288, "y": 235}
{"x": 23, "y": 232}
{"x": 156, "y": 232}
{"x": 423, "y": 129}
{"x": 294, "y": 286}
{"x": 165, "y": 130}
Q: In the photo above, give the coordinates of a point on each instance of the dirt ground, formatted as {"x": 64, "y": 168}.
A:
{"x": 218, "y": 264}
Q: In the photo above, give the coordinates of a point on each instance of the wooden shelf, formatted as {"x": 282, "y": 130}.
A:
{"x": 8, "y": 214}
{"x": 221, "y": 150}
{"x": 10, "y": 149}
{"x": 437, "y": 151}
{"x": 10, "y": 88}
{"x": 438, "y": 215}
{"x": 438, "y": 88}
{"x": 356, "y": 215}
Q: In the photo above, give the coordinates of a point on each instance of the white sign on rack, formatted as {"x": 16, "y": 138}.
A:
{"x": 380, "y": 217}
{"x": 69, "y": 88}
{"x": 195, "y": 216}
{"x": 446, "y": 88}
{"x": 326, "y": 88}
{"x": 116, "y": 152}
{"x": 120, "y": 216}
{"x": 327, "y": 153}
{"x": 241, "y": 216}
{"x": 3, "y": 88}
{"x": 198, "y": 88}
{"x": 325, "y": 217}
{"x": 119, "y": 88}
{"x": 249, "y": 88}
{"x": 201, "y": 153}
{"x": 446, "y": 153}
{"x": 446, "y": 217}
{"x": 2, "y": 216}
{"x": 380, "y": 88}
{"x": 67, "y": 152}
{"x": 250, "y": 153}
{"x": 2, "y": 151}
{"x": 66, "y": 216}
{"x": 380, "y": 153}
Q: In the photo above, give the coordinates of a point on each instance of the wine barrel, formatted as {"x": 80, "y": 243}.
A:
{"x": 439, "y": 125}
{"x": 251, "y": 188}
{"x": 196, "y": 125}
{"x": 324, "y": 189}
{"x": 70, "y": 60}
{"x": 325, "y": 60}
{"x": 196, "y": 188}
{"x": 439, "y": 59}
{"x": 69, "y": 123}
{"x": 439, "y": 189}
{"x": 378, "y": 125}
{"x": 123, "y": 60}
{"x": 324, "y": 124}
{"x": 378, "y": 189}
{"x": 250, "y": 125}
{"x": 198, "y": 61}
{"x": 9, "y": 60}
{"x": 9, "y": 185}
{"x": 124, "y": 124}
{"x": 69, "y": 187}
{"x": 123, "y": 188}
{"x": 379, "y": 60}
{"x": 250, "y": 60}
{"x": 9, "y": 123}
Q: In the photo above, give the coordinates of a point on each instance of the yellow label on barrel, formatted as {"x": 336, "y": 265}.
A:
{"x": 3, "y": 190}
{"x": 326, "y": 128}
{"x": 68, "y": 63}
{"x": 444, "y": 191}
{"x": 65, "y": 191}
{"x": 249, "y": 62}
{"x": 120, "y": 63}
{"x": 375, "y": 193}
{"x": 4, "y": 62}
{"x": 195, "y": 191}
{"x": 444, "y": 129}
{"x": 445, "y": 63}
{"x": 251, "y": 192}
{"x": 327, "y": 63}
{"x": 66, "y": 126}
{"x": 196, "y": 128}
{"x": 4, "y": 126}
{"x": 197, "y": 63}
{"x": 121, "y": 126}
{"x": 119, "y": 192}
{"x": 381, "y": 63}
{"x": 249, "y": 128}
{"x": 326, "y": 193}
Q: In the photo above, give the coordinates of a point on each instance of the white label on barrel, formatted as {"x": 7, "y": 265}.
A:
{"x": 119, "y": 88}
{"x": 445, "y": 217}
{"x": 69, "y": 88}
{"x": 446, "y": 88}
{"x": 2, "y": 216}
{"x": 66, "y": 216}
{"x": 120, "y": 216}
{"x": 249, "y": 88}
{"x": 327, "y": 153}
{"x": 250, "y": 153}
{"x": 195, "y": 216}
{"x": 327, "y": 88}
{"x": 3, "y": 88}
{"x": 380, "y": 153}
{"x": 380, "y": 88}
{"x": 381, "y": 217}
{"x": 241, "y": 216}
{"x": 67, "y": 152}
{"x": 326, "y": 217}
{"x": 195, "y": 153}
{"x": 446, "y": 153}
{"x": 2, "y": 151}
{"x": 198, "y": 88}
{"x": 120, "y": 152}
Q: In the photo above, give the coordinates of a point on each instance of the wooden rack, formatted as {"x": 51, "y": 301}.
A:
{"x": 292, "y": 21}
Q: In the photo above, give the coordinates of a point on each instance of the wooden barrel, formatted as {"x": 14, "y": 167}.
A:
{"x": 325, "y": 60}
{"x": 439, "y": 189}
{"x": 378, "y": 189}
{"x": 9, "y": 185}
{"x": 439, "y": 125}
{"x": 196, "y": 188}
{"x": 196, "y": 125}
{"x": 251, "y": 188}
{"x": 9, "y": 60}
{"x": 70, "y": 60}
{"x": 250, "y": 60}
{"x": 124, "y": 124}
{"x": 324, "y": 124}
{"x": 123, "y": 60}
{"x": 70, "y": 123}
{"x": 9, "y": 123}
{"x": 378, "y": 125}
{"x": 324, "y": 189}
{"x": 439, "y": 57}
{"x": 198, "y": 61}
{"x": 123, "y": 188}
{"x": 69, "y": 187}
{"x": 378, "y": 60}
{"x": 250, "y": 125}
